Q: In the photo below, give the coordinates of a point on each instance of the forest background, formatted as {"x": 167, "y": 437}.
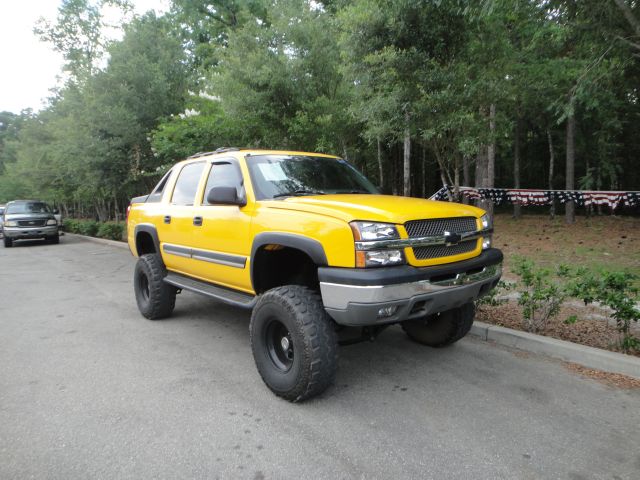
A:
{"x": 416, "y": 94}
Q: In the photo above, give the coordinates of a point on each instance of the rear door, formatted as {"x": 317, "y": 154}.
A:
{"x": 175, "y": 228}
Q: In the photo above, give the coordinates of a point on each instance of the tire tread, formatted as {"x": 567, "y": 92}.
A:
{"x": 306, "y": 307}
{"x": 162, "y": 296}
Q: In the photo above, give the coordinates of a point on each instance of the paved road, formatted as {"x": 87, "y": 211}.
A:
{"x": 90, "y": 389}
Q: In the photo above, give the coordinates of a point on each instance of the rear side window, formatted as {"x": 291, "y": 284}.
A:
{"x": 184, "y": 192}
{"x": 156, "y": 194}
{"x": 225, "y": 173}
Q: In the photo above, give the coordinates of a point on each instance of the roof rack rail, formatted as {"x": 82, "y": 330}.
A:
{"x": 218, "y": 150}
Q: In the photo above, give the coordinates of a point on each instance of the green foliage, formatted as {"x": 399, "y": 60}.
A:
{"x": 615, "y": 290}
{"x": 91, "y": 228}
{"x": 70, "y": 225}
{"x": 496, "y": 296}
{"x": 111, "y": 231}
{"x": 541, "y": 294}
{"x": 88, "y": 227}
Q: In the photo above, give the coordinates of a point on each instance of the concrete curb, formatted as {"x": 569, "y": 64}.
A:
{"x": 103, "y": 241}
{"x": 571, "y": 352}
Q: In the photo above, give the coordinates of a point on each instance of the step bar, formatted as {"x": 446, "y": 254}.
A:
{"x": 232, "y": 297}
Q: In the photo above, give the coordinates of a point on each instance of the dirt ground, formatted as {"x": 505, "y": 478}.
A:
{"x": 608, "y": 242}
{"x": 603, "y": 242}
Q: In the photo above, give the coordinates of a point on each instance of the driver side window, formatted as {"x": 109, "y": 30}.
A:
{"x": 224, "y": 173}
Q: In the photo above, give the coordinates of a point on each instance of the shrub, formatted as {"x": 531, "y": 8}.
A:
{"x": 88, "y": 227}
{"x": 70, "y": 225}
{"x": 542, "y": 294}
{"x": 495, "y": 297}
{"x": 111, "y": 231}
{"x": 616, "y": 290}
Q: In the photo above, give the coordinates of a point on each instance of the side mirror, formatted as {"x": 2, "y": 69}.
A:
{"x": 224, "y": 196}
{"x": 56, "y": 211}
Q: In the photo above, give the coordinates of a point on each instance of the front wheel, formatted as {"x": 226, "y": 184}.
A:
{"x": 8, "y": 242}
{"x": 53, "y": 239}
{"x": 156, "y": 299}
{"x": 294, "y": 342}
{"x": 441, "y": 329}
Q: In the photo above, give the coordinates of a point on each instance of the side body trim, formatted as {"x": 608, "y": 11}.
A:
{"x": 229, "y": 260}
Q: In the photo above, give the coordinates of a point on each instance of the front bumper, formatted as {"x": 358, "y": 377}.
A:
{"x": 354, "y": 297}
{"x": 19, "y": 233}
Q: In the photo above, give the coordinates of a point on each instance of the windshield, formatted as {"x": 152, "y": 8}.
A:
{"x": 27, "y": 207}
{"x": 276, "y": 176}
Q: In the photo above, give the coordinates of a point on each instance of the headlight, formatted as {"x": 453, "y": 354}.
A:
{"x": 52, "y": 221}
{"x": 10, "y": 223}
{"x": 379, "y": 258}
{"x": 486, "y": 221}
{"x": 363, "y": 231}
{"x": 371, "y": 232}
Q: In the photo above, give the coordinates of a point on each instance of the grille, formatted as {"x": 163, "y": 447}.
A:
{"x": 437, "y": 227}
{"x": 436, "y": 251}
{"x": 32, "y": 223}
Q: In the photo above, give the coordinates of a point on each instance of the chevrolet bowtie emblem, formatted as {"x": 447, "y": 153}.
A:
{"x": 452, "y": 238}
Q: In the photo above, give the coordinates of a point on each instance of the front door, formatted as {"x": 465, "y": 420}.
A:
{"x": 221, "y": 243}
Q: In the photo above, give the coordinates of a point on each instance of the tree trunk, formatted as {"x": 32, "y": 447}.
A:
{"x": 456, "y": 179}
{"x": 628, "y": 14}
{"x": 424, "y": 170}
{"x": 491, "y": 149}
{"x": 115, "y": 208}
{"x": 517, "y": 208}
{"x": 552, "y": 211}
{"x": 407, "y": 158}
{"x": 466, "y": 173}
{"x": 380, "y": 166}
{"x": 570, "y": 208}
{"x": 481, "y": 167}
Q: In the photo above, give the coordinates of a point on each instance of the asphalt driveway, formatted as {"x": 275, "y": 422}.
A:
{"x": 90, "y": 389}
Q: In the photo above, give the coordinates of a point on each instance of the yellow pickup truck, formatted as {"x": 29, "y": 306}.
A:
{"x": 321, "y": 258}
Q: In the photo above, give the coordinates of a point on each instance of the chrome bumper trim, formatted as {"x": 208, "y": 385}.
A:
{"x": 358, "y": 305}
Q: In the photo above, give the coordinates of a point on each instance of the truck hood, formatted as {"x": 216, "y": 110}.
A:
{"x": 28, "y": 216}
{"x": 376, "y": 208}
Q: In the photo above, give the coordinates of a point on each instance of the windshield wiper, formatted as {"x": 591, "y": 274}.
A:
{"x": 297, "y": 193}
{"x": 353, "y": 191}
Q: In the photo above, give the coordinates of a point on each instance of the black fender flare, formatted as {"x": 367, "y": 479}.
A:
{"x": 311, "y": 247}
{"x": 151, "y": 230}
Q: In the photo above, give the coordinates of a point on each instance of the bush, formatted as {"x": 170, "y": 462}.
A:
{"x": 542, "y": 294}
{"x": 615, "y": 290}
{"x": 70, "y": 225}
{"x": 89, "y": 228}
{"x": 111, "y": 231}
{"x": 495, "y": 297}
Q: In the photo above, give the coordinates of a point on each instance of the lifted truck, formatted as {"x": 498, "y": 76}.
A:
{"x": 308, "y": 243}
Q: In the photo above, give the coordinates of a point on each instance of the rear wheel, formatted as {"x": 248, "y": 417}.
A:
{"x": 8, "y": 242}
{"x": 443, "y": 328}
{"x": 294, "y": 342}
{"x": 156, "y": 299}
